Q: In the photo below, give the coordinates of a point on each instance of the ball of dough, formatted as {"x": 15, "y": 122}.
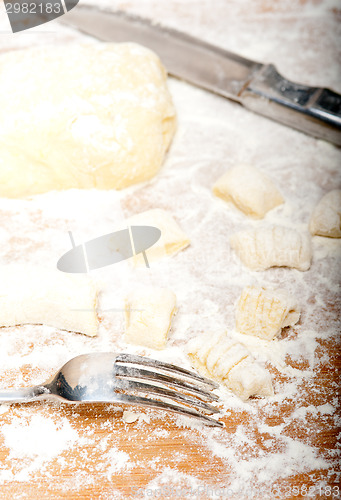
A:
{"x": 82, "y": 116}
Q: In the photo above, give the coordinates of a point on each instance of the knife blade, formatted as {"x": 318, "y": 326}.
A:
{"x": 259, "y": 87}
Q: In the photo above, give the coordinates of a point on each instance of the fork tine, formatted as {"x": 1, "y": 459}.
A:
{"x": 132, "y": 372}
{"x": 131, "y": 385}
{"x": 160, "y": 365}
{"x": 160, "y": 405}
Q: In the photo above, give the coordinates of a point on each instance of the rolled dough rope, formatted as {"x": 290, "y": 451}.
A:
{"x": 82, "y": 116}
{"x": 31, "y": 295}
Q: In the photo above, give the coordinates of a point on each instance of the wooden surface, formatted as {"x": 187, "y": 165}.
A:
{"x": 266, "y": 449}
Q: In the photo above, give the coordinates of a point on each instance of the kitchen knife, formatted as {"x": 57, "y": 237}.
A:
{"x": 258, "y": 87}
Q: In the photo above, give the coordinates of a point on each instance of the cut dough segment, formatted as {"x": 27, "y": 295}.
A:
{"x": 32, "y": 295}
{"x": 172, "y": 240}
{"x": 262, "y": 248}
{"x": 326, "y": 217}
{"x": 263, "y": 312}
{"x": 107, "y": 123}
{"x": 249, "y": 189}
{"x": 148, "y": 316}
{"x": 231, "y": 364}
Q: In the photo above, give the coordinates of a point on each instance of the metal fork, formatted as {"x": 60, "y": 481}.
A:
{"x": 127, "y": 379}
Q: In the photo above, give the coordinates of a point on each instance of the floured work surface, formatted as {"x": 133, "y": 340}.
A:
{"x": 284, "y": 444}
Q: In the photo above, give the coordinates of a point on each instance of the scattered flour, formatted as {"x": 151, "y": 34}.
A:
{"x": 4, "y": 409}
{"x": 117, "y": 461}
{"x": 33, "y": 441}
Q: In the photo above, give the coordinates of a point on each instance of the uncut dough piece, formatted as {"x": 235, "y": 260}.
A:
{"x": 249, "y": 189}
{"x": 218, "y": 357}
{"x": 33, "y": 295}
{"x": 149, "y": 314}
{"x": 263, "y": 312}
{"x": 97, "y": 116}
{"x": 326, "y": 217}
{"x": 262, "y": 248}
{"x": 172, "y": 239}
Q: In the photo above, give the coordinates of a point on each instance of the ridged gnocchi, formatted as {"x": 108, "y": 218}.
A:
{"x": 326, "y": 217}
{"x": 148, "y": 315}
{"x": 266, "y": 247}
{"x": 249, "y": 189}
{"x": 263, "y": 312}
{"x": 219, "y": 357}
{"x": 172, "y": 240}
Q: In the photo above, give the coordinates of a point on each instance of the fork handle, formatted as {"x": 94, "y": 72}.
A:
{"x": 22, "y": 395}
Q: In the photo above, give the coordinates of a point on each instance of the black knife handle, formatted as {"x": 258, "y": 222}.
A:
{"x": 313, "y": 110}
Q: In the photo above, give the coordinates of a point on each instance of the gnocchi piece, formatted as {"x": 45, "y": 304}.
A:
{"x": 219, "y": 357}
{"x": 249, "y": 189}
{"x": 326, "y": 217}
{"x": 32, "y": 295}
{"x": 263, "y": 312}
{"x": 172, "y": 239}
{"x": 262, "y": 248}
{"x": 148, "y": 314}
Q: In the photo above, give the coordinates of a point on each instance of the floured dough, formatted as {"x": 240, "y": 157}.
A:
{"x": 219, "y": 357}
{"x": 266, "y": 247}
{"x": 149, "y": 314}
{"x": 172, "y": 239}
{"x": 82, "y": 116}
{"x": 249, "y": 189}
{"x": 263, "y": 312}
{"x": 326, "y": 217}
{"x": 33, "y": 295}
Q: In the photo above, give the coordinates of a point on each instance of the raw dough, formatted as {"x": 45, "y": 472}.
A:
{"x": 262, "y": 248}
{"x": 82, "y": 116}
{"x": 172, "y": 240}
{"x": 249, "y": 189}
{"x": 32, "y": 295}
{"x": 263, "y": 312}
{"x": 149, "y": 314}
{"x": 219, "y": 357}
{"x": 326, "y": 217}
